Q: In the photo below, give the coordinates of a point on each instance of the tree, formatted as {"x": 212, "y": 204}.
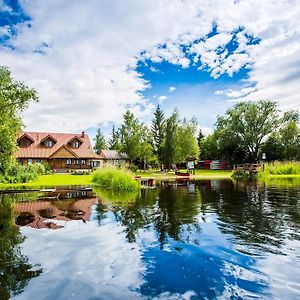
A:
{"x": 248, "y": 123}
{"x": 289, "y": 134}
{"x": 114, "y": 142}
{"x": 200, "y": 138}
{"x": 131, "y": 136}
{"x": 187, "y": 145}
{"x": 158, "y": 133}
{"x": 100, "y": 142}
{"x": 209, "y": 147}
{"x": 170, "y": 143}
{"x": 14, "y": 99}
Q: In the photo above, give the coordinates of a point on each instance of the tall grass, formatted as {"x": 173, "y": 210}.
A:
{"x": 280, "y": 168}
{"x": 115, "y": 179}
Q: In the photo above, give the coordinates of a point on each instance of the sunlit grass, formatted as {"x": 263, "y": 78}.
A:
{"x": 115, "y": 179}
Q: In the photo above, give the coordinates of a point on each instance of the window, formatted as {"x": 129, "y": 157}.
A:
{"x": 69, "y": 161}
{"x": 75, "y": 144}
{"x": 25, "y": 142}
{"x": 29, "y": 161}
{"x": 83, "y": 162}
{"x": 76, "y": 161}
{"x": 38, "y": 160}
{"x": 49, "y": 143}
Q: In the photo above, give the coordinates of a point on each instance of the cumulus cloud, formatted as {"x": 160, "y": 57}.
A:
{"x": 82, "y": 59}
{"x": 172, "y": 89}
{"x": 161, "y": 99}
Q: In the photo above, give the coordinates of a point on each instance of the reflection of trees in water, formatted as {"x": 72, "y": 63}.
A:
{"x": 167, "y": 209}
{"x": 254, "y": 214}
{"x": 15, "y": 270}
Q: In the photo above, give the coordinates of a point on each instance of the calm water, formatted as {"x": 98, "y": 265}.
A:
{"x": 190, "y": 240}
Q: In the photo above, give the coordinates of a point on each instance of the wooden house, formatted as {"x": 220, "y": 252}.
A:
{"x": 62, "y": 151}
{"x": 113, "y": 157}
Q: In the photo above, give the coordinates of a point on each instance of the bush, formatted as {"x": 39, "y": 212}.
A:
{"x": 115, "y": 179}
{"x": 23, "y": 173}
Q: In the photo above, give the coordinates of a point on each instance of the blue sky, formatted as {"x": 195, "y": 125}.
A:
{"x": 90, "y": 61}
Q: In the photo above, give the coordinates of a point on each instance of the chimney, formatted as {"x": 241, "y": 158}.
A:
{"x": 82, "y": 134}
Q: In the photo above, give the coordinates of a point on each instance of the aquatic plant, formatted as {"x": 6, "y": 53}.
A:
{"x": 280, "y": 168}
{"x": 116, "y": 179}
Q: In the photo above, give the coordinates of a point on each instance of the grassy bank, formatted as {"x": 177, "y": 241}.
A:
{"x": 279, "y": 170}
{"x": 53, "y": 180}
{"x": 199, "y": 174}
{"x": 69, "y": 179}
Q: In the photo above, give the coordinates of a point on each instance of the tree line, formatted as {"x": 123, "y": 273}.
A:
{"x": 249, "y": 129}
{"x": 167, "y": 141}
{"x": 242, "y": 134}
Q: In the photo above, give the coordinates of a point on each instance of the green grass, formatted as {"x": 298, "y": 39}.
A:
{"x": 115, "y": 179}
{"x": 199, "y": 174}
{"x": 53, "y": 180}
{"x": 69, "y": 179}
{"x": 280, "y": 169}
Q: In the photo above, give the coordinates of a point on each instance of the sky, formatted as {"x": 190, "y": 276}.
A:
{"x": 92, "y": 60}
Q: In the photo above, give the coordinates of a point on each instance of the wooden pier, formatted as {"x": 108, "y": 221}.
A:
{"x": 247, "y": 169}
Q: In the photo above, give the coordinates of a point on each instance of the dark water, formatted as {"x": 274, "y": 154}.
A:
{"x": 190, "y": 240}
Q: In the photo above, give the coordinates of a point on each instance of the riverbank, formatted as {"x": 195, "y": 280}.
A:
{"x": 70, "y": 179}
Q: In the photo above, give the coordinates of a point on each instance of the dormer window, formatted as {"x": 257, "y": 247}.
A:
{"x": 25, "y": 141}
{"x": 75, "y": 142}
{"x": 48, "y": 141}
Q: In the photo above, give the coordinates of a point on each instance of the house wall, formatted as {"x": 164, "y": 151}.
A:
{"x": 60, "y": 163}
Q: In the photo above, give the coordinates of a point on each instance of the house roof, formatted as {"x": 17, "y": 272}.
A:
{"x": 38, "y": 150}
{"x": 113, "y": 154}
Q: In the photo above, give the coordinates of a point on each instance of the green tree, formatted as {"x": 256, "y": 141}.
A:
{"x": 100, "y": 142}
{"x": 170, "y": 143}
{"x": 200, "y": 138}
{"x": 248, "y": 123}
{"x": 158, "y": 133}
{"x": 289, "y": 134}
{"x": 209, "y": 147}
{"x": 131, "y": 136}
{"x": 14, "y": 99}
{"x": 187, "y": 145}
{"x": 114, "y": 142}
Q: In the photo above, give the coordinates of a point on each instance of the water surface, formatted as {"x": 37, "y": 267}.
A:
{"x": 182, "y": 240}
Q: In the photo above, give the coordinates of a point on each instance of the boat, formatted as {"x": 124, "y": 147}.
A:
{"x": 186, "y": 174}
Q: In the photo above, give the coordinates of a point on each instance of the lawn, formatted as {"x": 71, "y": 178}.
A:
{"x": 69, "y": 179}
{"x": 53, "y": 180}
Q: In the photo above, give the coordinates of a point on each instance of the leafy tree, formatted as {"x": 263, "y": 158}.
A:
{"x": 158, "y": 133}
{"x": 273, "y": 147}
{"x": 14, "y": 99}
{"x": 200, "y": 138}
{"x": 146, "y": 148}
{"x": 248, "y": 123}
{"x": 131, "y": 136}
{"x": 187, "y": 145}
{"x": 170, "y": 143}
{"x": 100, "y": 142}
{"x": 289, "y": 133}
{"x": 209, "y": 147}
{"x": 114, "y": 142}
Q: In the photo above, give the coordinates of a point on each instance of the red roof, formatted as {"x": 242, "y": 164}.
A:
{"x": 38, "y": 150}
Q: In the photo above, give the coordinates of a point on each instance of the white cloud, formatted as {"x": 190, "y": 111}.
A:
{"x": 172, "y": 89}
{"x": 161, "y": 99}
{"x": 82, "y": 59}
{"x": 230, "y": 93}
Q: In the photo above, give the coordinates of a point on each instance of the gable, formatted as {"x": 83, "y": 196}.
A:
{"x": 63, "y": 152}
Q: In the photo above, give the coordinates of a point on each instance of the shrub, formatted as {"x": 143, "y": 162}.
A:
{"x": 23, "y": 173}
{"x": 115, "y": 179}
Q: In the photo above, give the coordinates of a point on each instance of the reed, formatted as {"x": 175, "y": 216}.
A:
{"x": 115, "y": 179}
{"x": 280, "y": 168}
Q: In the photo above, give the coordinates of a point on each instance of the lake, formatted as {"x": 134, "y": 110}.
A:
{"x": 211, "y": 239}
